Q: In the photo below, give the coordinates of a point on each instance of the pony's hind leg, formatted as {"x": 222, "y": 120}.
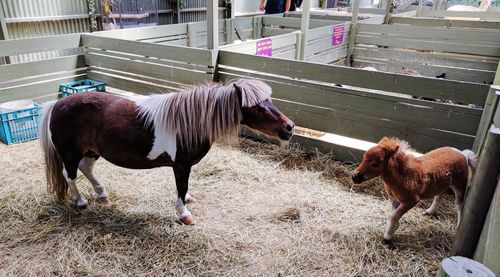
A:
{"x": 69, "y": 171}
{"x": 86, "y": 166}
{"x": 435, "y": 205}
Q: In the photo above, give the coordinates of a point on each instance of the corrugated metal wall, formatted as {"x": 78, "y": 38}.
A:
{"x": 33, "y": 18}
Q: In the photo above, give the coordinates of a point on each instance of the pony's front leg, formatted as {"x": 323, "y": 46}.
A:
{"x": 393, "y": 222}
{"x": 181, "y": 180}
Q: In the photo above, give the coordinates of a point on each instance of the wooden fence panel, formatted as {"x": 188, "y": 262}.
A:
{"x": 355, "y": 112}
{"x": 457, "y": 91}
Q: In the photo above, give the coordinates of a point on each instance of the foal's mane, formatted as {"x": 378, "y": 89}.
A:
{"x": 395, "y": 144}
{"x": 208, "y": 112}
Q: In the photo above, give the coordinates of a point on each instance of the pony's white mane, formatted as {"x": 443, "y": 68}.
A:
{"x": 209, "y": 112}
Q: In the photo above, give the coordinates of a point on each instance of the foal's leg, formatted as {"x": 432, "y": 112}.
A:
{"x": 181, "y": 180}
{"x": 71, "y": 161}
{"x": 394, "y": 204}
{"x": 435, "y": 204}
{"x": 86, "y": 167}
{"x": 459, "y": 200}
{"x": 393, "y": 222}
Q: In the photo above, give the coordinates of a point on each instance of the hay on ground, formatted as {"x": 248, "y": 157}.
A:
{"x": 262, "y": 210}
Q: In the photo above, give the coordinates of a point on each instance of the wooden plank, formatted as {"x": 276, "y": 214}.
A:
{"x": 452, "y": 73}
{"x": 250, "y": 47}
{"x": 29, "y": 69}
{"x": 35, "y": 45}
{"x": 394, "y": 109}
{"x": 435, "y": 33}
{"x": 38, "y": 89}
{"x": 167, "y": 84}
{"x": 483, "y": 15}
{"x": 196, "y": 67}
{"x": 443, "y": 59}
{"x": 419, "y": 86}
{"x": 148, "y": 69}
{"x": 41, "y": 78}
{"x": 144, "y": 32}
{"x": 329, "y": 56}
{"x": 450, "y": 23}
{"x": 129, "y": 84}
{"x": 321, "y": 45}
{"x": 168, "y": 52}
{"x": 453, "y": 47}
{"x": 326, "y": 31}
{"x": 293, "y": 22}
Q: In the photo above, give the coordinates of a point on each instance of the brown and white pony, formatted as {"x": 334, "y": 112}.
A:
{"x": 175, "y": 130}
{"x": 408, "y": 178}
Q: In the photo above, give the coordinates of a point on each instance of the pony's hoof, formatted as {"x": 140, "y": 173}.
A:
{"x": 188, "y": 220}
{"x": 81, "y": 203}
{"x": 191, "y": 200}
{"x": 386, "y": 241}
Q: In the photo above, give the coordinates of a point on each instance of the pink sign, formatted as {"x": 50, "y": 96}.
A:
{"x": 265, "y": 47}
{"x": 338, "y": 34}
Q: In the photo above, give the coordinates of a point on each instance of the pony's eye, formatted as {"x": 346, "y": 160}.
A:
{"x": 375, "y": 164}
{"x": 261, "y": 109}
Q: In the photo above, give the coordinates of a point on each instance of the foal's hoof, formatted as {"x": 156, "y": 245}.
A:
{"x": 189, "y": 220}
{"x": 387, "y": 241}
{"x": 104, "y": 200}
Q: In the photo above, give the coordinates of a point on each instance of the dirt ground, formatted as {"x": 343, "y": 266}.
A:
{"x": 262, "y": 210}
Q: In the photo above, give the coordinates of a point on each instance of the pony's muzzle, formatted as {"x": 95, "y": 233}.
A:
{"x": 357, "y": 177}
{"x": 286, "y": 131}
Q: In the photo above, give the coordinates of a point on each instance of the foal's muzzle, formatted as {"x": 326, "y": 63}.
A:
{"x": 357, "y": 178}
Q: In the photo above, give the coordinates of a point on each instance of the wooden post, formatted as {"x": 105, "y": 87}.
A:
{"x": 4, "y": 34}
{"x": 233, "y": 3}
{"x": 213, "y": 24}
{"x": 304, "y": 27}
{"x": 488, "y": 249}
{"x": 419, "y": 10}
{"x": 479, "y": 196}
{"x": 387, "y": 16}
{"x": 352, "y": 31}
{"x": 490, "y": 106}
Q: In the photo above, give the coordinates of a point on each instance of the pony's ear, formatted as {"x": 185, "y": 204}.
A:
{"x": 239, "y": 94}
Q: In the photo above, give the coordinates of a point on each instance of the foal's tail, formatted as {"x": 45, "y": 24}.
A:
{"x": 471, "y": 159}
{"x": 56, "y": 182}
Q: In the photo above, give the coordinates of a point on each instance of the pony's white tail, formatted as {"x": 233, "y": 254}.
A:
{"x": 471, "y": 159}
{"x": 56, "y": 182}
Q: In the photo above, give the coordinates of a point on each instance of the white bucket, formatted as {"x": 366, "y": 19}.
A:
{"x": 16, "y": 105}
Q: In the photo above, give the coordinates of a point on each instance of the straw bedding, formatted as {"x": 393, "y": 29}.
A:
{"x": 262, "y": 210}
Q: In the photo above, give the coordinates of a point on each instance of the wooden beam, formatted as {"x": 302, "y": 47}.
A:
{"x": 387, "y": 16}
{"x": 411, "y": 85}
{"x": 352, "y": 31}
{"x": 213, "y": 24}
{"x": 479, "y": 197}
{"x": 304, "y": 27}
{"x": 4, "y": 34}
{"x": 488, "y": 247}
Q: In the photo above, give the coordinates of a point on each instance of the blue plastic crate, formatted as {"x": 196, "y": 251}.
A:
{"x": 87, "y": 85}
{"x": 20, "y": 125}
